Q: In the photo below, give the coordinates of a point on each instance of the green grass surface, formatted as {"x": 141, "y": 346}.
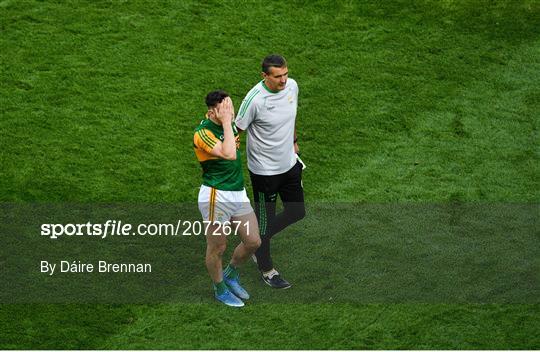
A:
{"x": 321, "y": 326}
{"x": 400, "y": 101}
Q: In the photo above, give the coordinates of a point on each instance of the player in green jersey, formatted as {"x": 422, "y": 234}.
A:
{"x": 223, "y": 201}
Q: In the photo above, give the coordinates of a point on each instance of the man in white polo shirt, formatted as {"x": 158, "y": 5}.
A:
{"x": 268, "y": 114}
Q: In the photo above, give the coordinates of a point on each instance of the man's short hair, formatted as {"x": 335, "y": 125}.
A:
{"x": 215, "y": 97}
{"x": 273, "y": 60}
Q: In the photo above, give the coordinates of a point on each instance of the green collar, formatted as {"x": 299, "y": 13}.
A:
{"x": 212, "y": 121}
{"x": 268, "y": 89}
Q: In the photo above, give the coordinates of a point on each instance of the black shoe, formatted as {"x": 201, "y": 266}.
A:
{"x": 275, "y": 280}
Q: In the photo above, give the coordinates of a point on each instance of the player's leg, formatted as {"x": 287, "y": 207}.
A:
{"x": 216, "y": 243}
{"x": 246, "y": 227}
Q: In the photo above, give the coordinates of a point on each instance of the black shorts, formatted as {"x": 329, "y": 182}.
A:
{"x": 266, "y": 189}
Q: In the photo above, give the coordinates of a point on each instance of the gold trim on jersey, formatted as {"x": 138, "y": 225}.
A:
{"x": 203, "y": 142}
{"x": 213, "y": 193}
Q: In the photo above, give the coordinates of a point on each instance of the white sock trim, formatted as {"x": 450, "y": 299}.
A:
{"x": 270, "y": 274}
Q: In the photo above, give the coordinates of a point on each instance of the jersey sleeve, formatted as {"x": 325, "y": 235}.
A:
{"x": 247, "y": 110}
{"x": 204, "y": 139}
{"x": 296, "y": 89}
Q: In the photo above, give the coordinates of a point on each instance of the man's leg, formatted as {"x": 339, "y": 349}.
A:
{"x": 265, "y": 195}
{"x": 292, "y": 196}
{"x": 265, "y": 190}
{"x": 215, "y": 247}
{"x": 291, "y": 193}
{"x": 210, "y": 200}
{"x": 246, "y": 227}
{"x": 216, "y": 243}
{"x": 248, "y": 230}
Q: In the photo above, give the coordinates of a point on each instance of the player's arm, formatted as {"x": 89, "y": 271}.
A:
{"x": 225, "y": 114}
{"x": 204, "y": 139}
{"x": 296, "y": 148}
{"x": 222, "y": 149}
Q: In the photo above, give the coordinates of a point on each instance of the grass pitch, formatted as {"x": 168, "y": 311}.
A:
{"x": 400, "y": 102}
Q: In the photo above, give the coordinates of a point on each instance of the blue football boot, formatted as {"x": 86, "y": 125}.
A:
{"x": 229, "y": 299}
{"x": 234, "y": 285}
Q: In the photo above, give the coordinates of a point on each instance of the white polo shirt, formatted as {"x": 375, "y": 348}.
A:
{"x": 269, "y": 120}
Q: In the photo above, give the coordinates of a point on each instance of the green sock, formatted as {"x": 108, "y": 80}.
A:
{"x": 220, "y": 287}
{"x": 231, "y": 272}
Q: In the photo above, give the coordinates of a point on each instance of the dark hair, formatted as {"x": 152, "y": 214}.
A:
{"x": 273, "y": 60}
{"x": 215, "y": 97}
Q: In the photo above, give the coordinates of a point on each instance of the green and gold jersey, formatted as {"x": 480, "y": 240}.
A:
{"x": 225, "y": 175}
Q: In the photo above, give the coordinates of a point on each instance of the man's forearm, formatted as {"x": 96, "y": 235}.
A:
{"x": 295, "y": 142}
{"x": 229, "y": 144}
